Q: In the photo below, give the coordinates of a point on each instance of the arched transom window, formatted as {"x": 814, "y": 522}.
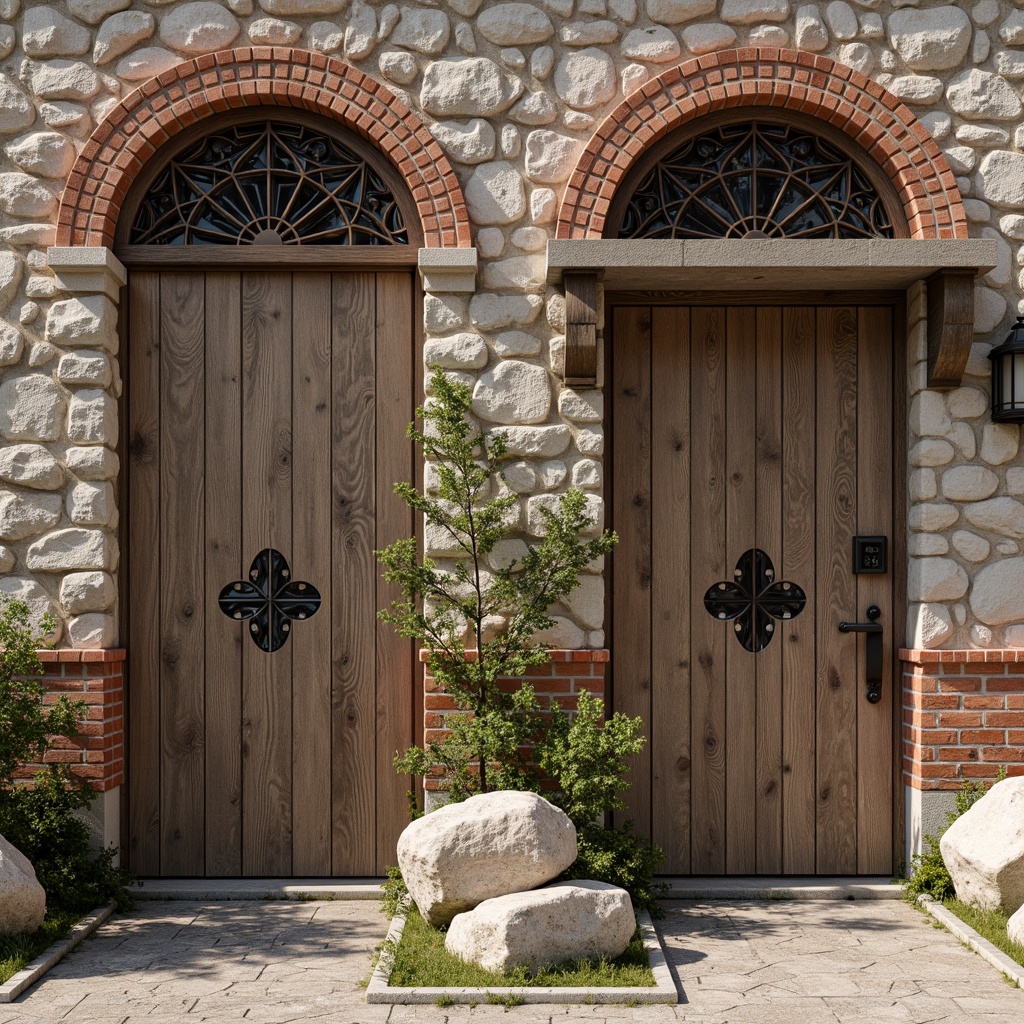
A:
{"x": 273, "y": 182}
{"x": 755, "y": 179}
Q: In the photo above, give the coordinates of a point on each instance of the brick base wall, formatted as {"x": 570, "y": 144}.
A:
{"x": 963, "y": 716}
{"x": 97, "y": 678}
{"x": 561, "y": 680}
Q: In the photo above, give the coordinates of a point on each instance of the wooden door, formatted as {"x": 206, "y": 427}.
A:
{"x": 266, "y": 410}
{"x": 741, "y": 429}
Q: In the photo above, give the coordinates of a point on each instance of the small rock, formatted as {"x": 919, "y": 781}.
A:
{"x": 400, "y": 67}
{"x": 64, "y": 80}
{"x": 920, "y": 89}
{"x": 515, "y": 24}
{"x": 748, "y": 12}
{"x": 468, "y": 142}
{"x": 16, "y": 112}
{"x": 92, "y": 463}
{"x": 535, "y": 442}
{"x": 73, "y": 548}
{"x": 27, "y": 515}
{"x": 567, "y": 920}
{"x": 1003, "y": 515}
{"x": 22, "y": 195}
{"x": 984, "y": 849}
{"x": 458, "y": 352}
{"x": 936, "y": 579}
{"x": 841, "y": 20}
{"x": 929, "y": 625}
{"x": 490, "y": 312}
{"x": 655, "y": 44}
{"x": 90, "y": 503}
{"x": 489, "y": 845}
{"x": 200, "y": 27}
{"x": 91, "y": 631}
{"x": 48, "y": 154}
{"x": 674, "y": 12}
{"x": 550, "y": 157}
{"x": 425, "y": 31}
{"x": 971, "y": 546}
{"x": 141, "y": 65}
{"x": 47, "y": 33}
{"x": 969, "y": 483}
{"x": 976, "y": 93}
{"x": 120, "y": 32}
{"x": 30, "y": 465}
{"x": 31, "y": 409}
{"x": 585, "y": 78}
{"x": 513, "y": 392}
{"x": 589, "y": 33}
{"x": 472, "y": 86}
{"x": 92, "y": 417}
{"x": 494, "y": 194}
{"x": 85, "y": 320}
{"x": 87, "y": 592}
{"x": 274, "y": 32}
{"x": 930, "y": 40}
{"x": 361, "y": 30}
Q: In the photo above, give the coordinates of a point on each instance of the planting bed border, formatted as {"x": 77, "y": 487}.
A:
{"x": 966, "y": 934}
{"x": 662, "y": 991}
{"x": 32, "y": 972}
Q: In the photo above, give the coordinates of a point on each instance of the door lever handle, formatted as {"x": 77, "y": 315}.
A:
{"x": 873, "y": 645}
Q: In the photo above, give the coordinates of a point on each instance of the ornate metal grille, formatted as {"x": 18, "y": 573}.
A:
{"x": 756, "y": 180}
{"x": 268, "y": 183}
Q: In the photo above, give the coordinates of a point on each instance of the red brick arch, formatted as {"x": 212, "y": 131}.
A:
{"x": 790, "y": 79}
{"x": 136, "y": 128}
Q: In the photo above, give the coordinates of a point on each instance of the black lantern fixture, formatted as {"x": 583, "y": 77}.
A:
{"x": 1008, "y": 377}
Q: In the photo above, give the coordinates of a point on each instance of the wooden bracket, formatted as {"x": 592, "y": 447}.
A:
{"x": 950, "y": 326}
{"x": 581, "y": 328}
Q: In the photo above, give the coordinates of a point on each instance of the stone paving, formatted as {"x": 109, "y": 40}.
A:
{"x": 764, "y": 962}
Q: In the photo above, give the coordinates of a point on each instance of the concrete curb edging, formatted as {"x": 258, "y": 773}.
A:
{"x": 663, "y": 991}
{"x": 966, "y": 934}
{"x": 32, "y": 972}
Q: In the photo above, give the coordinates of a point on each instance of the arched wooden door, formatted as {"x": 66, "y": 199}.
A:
{"x": 266, "y": 409}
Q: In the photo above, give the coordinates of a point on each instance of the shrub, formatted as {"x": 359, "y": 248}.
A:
{"x": 928, "y": 874}
{"x": 44, "y": 820}
{"x": 479, "y": 619}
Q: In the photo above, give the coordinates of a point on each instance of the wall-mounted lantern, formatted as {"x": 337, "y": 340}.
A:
{"x": 1008, "y": 377}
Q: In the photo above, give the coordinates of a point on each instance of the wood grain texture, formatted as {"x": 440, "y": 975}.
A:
{"x": 143, "y": 606}
{"x": 266, "y": 522}
{"x": 768, "y": 537}
{"x": 740, "y": 518}
{"x": 670, "y": 591}
{"x": 631, "y": 587}
{"x": 398, "y": 670}
{"x": 708, "y": 565}
{"x": 310, "y": 641}
{"x": 874, "y": 516}
{"x": 581, "y": 318}
{"x": 798, "y": 637}
{"x": 950, "y": 326}
{"x": 182, "y": 582}
{"x": 353, "y": 529}
{"x": 224, "y": 563}
{"x": 838, "y": 672}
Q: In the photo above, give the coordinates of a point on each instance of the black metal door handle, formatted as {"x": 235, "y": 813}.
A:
{"x": 873, "y": 645}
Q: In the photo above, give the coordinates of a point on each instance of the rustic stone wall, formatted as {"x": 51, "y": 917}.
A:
{"x": 512, "y": 92}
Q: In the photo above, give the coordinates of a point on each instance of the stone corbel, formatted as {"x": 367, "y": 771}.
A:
{"x": 581, "y": 320}
{"x": 87, "y": 270}
{"x": 448, "y": 270}
{"x": 950, "y": 326}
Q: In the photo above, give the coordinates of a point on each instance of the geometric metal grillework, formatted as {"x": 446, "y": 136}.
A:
{"x": 269, "y": 183}
{"x": 753, "y": 600}
{"x": 270, "y": 599}
{"x": 756, "y": 180}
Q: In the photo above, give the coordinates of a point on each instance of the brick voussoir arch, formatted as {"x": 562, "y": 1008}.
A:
{"x": 793, "y": 79}
{"x": 246, "y": 77}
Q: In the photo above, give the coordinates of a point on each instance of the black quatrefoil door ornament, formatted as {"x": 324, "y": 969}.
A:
{"x": 270, "y": 599}
{"x": 753, "y": 600}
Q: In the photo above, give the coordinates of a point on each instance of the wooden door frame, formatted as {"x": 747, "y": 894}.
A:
{"x": 241, "y": 259}
{"x": 897, "y": 300}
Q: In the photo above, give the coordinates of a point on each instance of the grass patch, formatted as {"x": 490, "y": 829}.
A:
{"x": 989, "y": 924}
{"x": 18, "y": 950}
{"x": 422, "y": 960}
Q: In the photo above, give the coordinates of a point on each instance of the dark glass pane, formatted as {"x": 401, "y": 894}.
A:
{"x": 779, "y": 180}
{"x": 236, "y": 184}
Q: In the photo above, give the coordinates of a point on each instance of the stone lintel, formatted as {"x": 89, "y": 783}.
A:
{"x": 448, "y": 270}
{"x": 767, "y": 264}
{"x": 87, "y": 269}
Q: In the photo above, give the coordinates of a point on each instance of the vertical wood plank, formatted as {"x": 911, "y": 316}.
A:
{"x": 143, "y": 607}
{"x": 354, "y": 622}
{"x": 838, "y": 675}
{"x": 310, "y": 641}
{"x": 267, "y": 522}
{"x": 768, "y": 533}
{"x": 396, "y": 657}
{"x": 182, "y": 582}
{"x": 631, "y": 587}
{"x": 708, "y": 566}
{"x": 740, "y": 684}
{"x": 797, "y": 638}
{"x": 224, "y": 637}
{"x": 874, "y": 516}
{"x": 670, "y": 615}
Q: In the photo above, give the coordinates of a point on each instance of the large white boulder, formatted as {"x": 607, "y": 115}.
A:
{"x": 487, "y": 846}
{"x": 22, "y": 898}
{"x": 1015, "y": 927}
{"x": 984, "y": 849}
{"x": 564, "y": 921}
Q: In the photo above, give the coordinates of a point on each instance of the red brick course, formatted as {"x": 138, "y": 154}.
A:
{"x": 245, "y": 77}
{"x": 561, "y": 680}
{"x": 963, "y": 716}
{"x": 97, "y": 678}
{"x": 794, "y": 79}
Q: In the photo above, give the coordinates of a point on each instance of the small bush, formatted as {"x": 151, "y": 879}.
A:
{"x": 43, "y": 821}
{"x": 928, "y": 874}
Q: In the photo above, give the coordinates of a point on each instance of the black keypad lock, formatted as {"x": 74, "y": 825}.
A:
{"x": 870, "y": 554}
